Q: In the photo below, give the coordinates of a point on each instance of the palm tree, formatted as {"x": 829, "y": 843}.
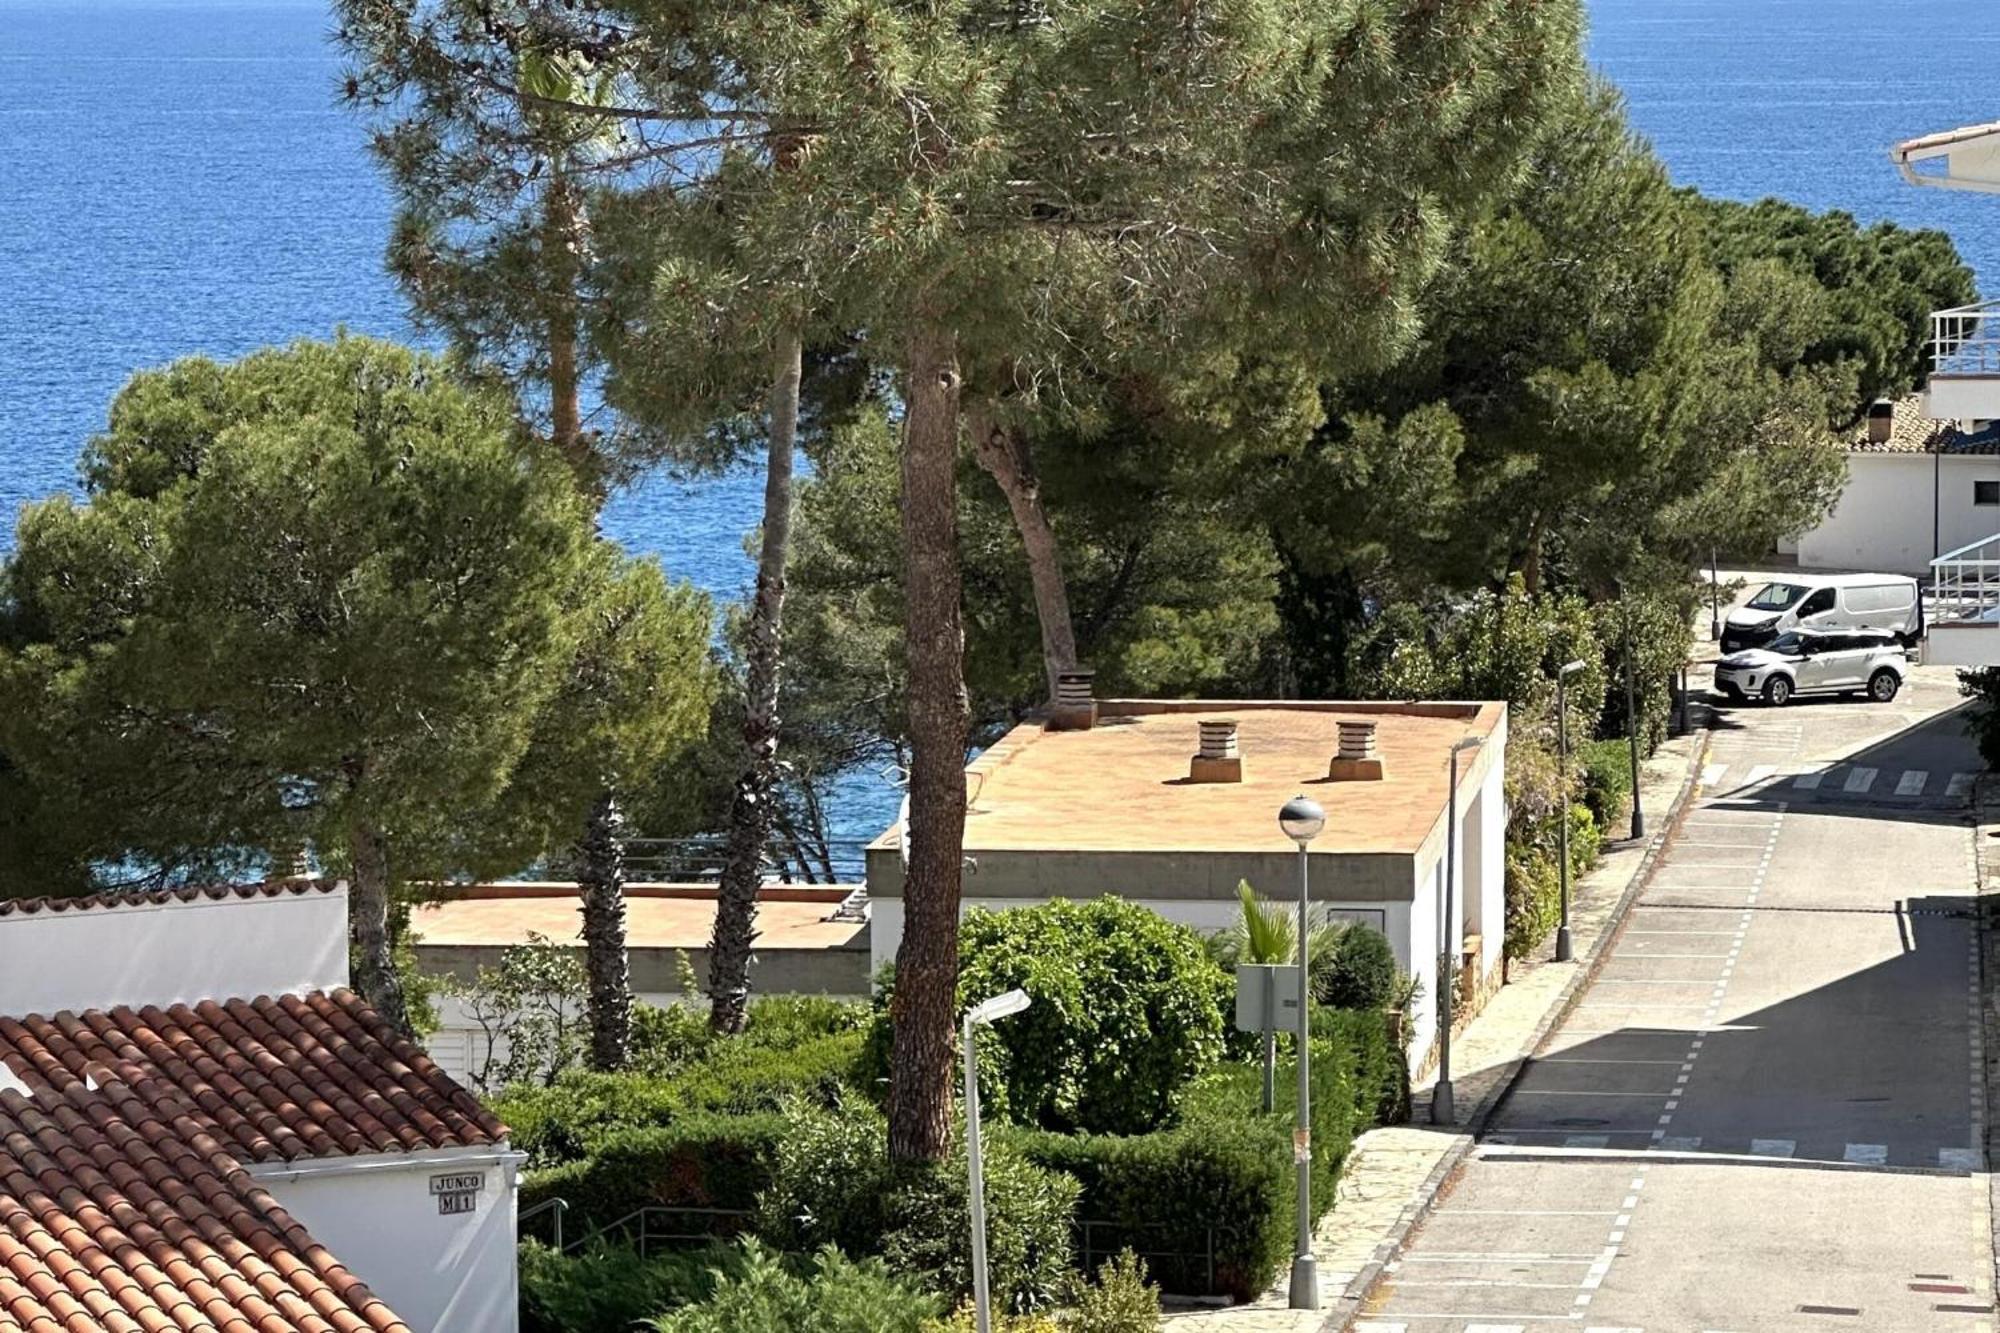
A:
{"x": 1266, "y": 933}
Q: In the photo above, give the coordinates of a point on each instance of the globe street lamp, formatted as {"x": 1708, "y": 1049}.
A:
{"x": 1013, "y": 1002}
{"x": 1302, "y": 819}
{"x": 1442, "y": 1110}
{"x": 1563, "y": 948}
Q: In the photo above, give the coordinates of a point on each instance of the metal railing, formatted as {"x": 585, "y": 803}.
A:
{"x": 669, "y": 1224}
{"x": 1966, "y": 341}
{"x": 555, "y": 1210}
{"x": 1965, "y": 585}
{"x": 700, "y": 861}
{"x": 1183, "y": 1272}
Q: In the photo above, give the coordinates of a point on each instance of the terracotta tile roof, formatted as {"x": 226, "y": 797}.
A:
{"x": 1914, "y": 433}
{"x": 121, "y": 1213}
{"x": 270, "y": 1079}
{"x": 192, "y": 893}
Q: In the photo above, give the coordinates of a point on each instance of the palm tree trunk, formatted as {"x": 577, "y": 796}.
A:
{"x": 368, "y": 917}
{"x": 601, "y": 880}
{"x": 1003, "y": 451}
{"x": 924, "y": 1008}
{"x": 752, "y": 809}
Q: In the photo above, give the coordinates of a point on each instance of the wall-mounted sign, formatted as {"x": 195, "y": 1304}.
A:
{"x": 458, "y": 1192}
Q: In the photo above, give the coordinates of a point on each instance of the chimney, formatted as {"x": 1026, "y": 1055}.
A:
{"x": 1219, "y": 759}
{"x": 1881, "y": 421}
{"x": 1075, "y": 706}
{"x": 1358, "y": 760}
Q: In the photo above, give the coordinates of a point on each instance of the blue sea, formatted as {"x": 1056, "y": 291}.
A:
{"x": 176, "y": 177}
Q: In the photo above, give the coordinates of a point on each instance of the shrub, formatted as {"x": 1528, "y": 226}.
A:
{"x": 1121, "y": 1300}
{"x": 832, "y": 1183}
{"x": 607, "y": 1287}
{"x": 1982, "y": 720}
{"x": 699, "y": 1161}
{"x": 1534, "y": 886}
{"x": 1129, "y": 1009}
{"x": 1607, "y": 780}
{"x": 836, "y": 1295}
{"x": 1361, "y": 973}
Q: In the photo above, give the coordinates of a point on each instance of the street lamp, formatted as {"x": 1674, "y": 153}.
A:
{"x": 1714, "y": 598}
{"x": 1302, "y": 819}
{"x": 1567, "y": 670}
{"x": 1632, "y": 726}
{"x": 1442, "y": 1111}
{"x": 987, "y": 1011}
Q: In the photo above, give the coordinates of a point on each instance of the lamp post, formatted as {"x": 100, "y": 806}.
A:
{"x": 1013, "y": 1002}
{"x": 1632, "y": 726}
{"x": 1442, "y": 1110}
{"x": 1568, "y": 669}
{"x": 1302, "y": 819}
{"x": 1714, "y": 598}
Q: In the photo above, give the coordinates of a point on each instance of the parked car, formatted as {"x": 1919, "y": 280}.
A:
{"x": 1798, "y": 662}
{"x": 1889, "y": 603}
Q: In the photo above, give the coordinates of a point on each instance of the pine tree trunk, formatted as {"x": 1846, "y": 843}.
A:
{"x": 368, "y": 914}
{"x": 1531, "y": 560}
{"x": 601, "y": 881}
{"x": 750, "y": 812}
{"x": 562, "y": 220}
{"x": 1003, "y": 452}
{"x": 924, "y": 1009}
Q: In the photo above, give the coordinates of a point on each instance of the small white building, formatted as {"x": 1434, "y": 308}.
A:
{"x": 1170, "y": 804}
{"x": 207, "y": 1038}
{"x": 1916, "y": 488}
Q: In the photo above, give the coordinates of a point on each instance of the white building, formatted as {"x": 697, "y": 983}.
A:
{"x": 1171, "y": 804}
{"x": 1916, "y": 488}
{"x": 193, "y": 1059}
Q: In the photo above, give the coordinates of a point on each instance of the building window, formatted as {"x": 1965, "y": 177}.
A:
{"x": 1986, "y": 492}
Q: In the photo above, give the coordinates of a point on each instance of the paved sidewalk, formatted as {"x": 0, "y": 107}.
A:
{"x": 1394, "y": 1171}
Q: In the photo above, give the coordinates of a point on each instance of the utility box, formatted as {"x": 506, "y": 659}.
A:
{"x": 1267, "y": 997}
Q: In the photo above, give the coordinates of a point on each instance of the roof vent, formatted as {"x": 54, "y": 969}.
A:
{"x": 1358, "y": 759}
{"x": 1219, "y": 759}
{"x": 1881, "y": 421}
{"x": 1075, "y": 707}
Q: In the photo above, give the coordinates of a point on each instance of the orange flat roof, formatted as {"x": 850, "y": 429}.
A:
{"x": 657, "y": 916}
{"x": 1123, "y": 785}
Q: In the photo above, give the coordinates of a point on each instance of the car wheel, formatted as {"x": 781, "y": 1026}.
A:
{"x": 1777, "y": 691}
{"x": 1882, "y": 686}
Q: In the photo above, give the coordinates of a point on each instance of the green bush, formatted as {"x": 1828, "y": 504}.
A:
{"x": 835, "y": 1295}
{"x": 610, "y": 1287}
{"x": 1128, "y": 1010}
{"x": 1534, "y": 887}
{"x": 1361, "y": 973}
{"x": 1982, "y": 720}
{"x": 567, "y": 1120}
{"x": 1607, "y": 780}
{"x": 1120, "y": 1301}
{"x": 832, "y": 1184}
{"x": 702, "y": 1161}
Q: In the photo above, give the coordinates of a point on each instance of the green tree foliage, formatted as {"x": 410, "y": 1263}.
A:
{"x": 834, "y": 1295}
{"x": 327, "y": 595}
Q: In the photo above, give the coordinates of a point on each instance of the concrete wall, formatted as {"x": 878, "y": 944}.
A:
{"x": 169, "y": 953}
{"x": 377, "y": 1215}
{"x": 1883, "y": 521}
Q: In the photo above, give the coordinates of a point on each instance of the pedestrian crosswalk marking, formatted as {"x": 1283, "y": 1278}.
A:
{"x": 1859, "y": 779}
{"x": 1867, "y": 1154}
{"x": 1379, "y": 1326}
{"x": 1587, "y": 1141}
{"x": 1772, "y": 1147}
{"x": 1959, "y": 783}
{"x": 1959, "y": 1159}
{"x": 1494, "y": 1328}
{"x": 1809, "y": 781}
{"x": 1759, "y": 773}
{"x": 1912, "y": 783}
{"x": 1680, "y": 1143}
{"x": 1712, "y": 775}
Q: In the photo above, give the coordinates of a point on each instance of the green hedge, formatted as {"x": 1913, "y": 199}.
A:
{"x": 612, "y": 1287}
{"x": 1227, "y": 1168}
{"x": 703, "y": 1160}
{"x": 1607, "y": 780}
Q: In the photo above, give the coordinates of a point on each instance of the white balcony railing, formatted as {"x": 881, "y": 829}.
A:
{"x": 1965, "y": 586}
{"x": 1965, "y": 342}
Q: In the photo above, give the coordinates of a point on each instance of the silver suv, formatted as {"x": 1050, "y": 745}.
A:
{"x": 1801, "y": 662}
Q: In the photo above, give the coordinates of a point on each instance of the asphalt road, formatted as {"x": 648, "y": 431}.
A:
{"x": 1766, "y": 1111}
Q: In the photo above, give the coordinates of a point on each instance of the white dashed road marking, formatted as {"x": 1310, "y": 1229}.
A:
{"x": 1759, "y": 773}
{"x": 1959, "y": 1159}
{"x": 1960, "y": 783}
{"x": 1712, "y": 775}
{"x": 1772, "y": 1147}
{"x": 1912, "y": 783}
{"x": 1859, "y": 779}
{"x": 1867, "y": 1154}
{"x": 1809, "y": 781}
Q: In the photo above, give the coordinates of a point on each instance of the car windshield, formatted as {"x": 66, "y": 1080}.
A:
{"x": 1775, "y": 596}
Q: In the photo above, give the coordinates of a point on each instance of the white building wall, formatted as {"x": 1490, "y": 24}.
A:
{"x": 441, "y": 1273}
{"x": 1883, "y": 520}
{"x": 173, "y": 952}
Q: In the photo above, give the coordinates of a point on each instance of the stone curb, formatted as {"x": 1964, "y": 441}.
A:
{"x": 1348, "y": 1305}
{"x": 1984, "y": 814}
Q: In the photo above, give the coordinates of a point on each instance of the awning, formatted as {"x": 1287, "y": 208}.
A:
{"x": 1967, "y": 159}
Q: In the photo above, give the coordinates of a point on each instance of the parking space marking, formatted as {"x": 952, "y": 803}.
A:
{"x": 1912, "y": 782}
{"x": 1859, "y": 780}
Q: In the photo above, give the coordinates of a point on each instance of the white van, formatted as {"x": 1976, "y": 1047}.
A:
{"x": 1825, "y": 602}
